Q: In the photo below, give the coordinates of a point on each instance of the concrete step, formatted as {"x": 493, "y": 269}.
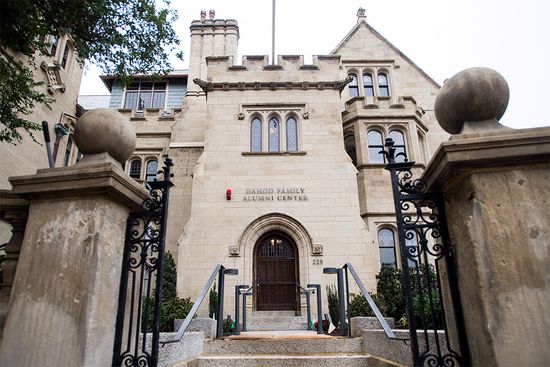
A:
{"x": 270, "y": 360}
{"x": 276, "y": 322}
{"x": 286, "y": 346}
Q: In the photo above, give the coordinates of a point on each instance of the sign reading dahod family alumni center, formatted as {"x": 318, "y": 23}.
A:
{"x": 275, "y": 194}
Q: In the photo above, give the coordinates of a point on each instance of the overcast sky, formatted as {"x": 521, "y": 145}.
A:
{"x": 441, "y": 36}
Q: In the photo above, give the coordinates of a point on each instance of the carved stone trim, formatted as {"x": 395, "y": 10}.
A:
{"x": 54, "y": 76}
{"x": 304, "y": 85}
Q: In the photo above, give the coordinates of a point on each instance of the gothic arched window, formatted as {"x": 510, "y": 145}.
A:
{"x": 368, "y": 86}
{"x": 135, "y": 169}
{"x": 151, "y": 170}
{"x": 256, "y": 135}
{"x": 291, "y": 135}
{"x": 383, "y": 87}
{"x": 273, "y": 134}
{"x": 353, "y": 86}
{"x": 399, "y": 145}
{"x": 376, "y": 145}
{"x": 386, "y": 247}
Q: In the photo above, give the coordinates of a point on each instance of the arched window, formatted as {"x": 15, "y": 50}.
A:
{"x": 367, "y": 85}
{"x": 353, "y": 86}
{"x": 256, "y": 135}
{"x": 386, "y": 247}
{"x": 65, "y": 58}
{"x": 291, "y": 135}
{"x": 383, "y": 87}
{"x": 399, "y": 145}
{"x": 376, "y": 145}
{"x": 273, "y": 134}
{"x": 349, "y": 144}
{"x": 135, "y": 169}
{"x": 151, "y": 170}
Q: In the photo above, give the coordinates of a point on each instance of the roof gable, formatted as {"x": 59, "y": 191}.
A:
{"x": 363, "y": 41}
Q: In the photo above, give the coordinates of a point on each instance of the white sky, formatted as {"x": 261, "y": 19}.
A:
{"x": 442, "y": 37}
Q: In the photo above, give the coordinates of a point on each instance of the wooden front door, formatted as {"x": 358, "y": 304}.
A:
{"x": 275, "y": 273}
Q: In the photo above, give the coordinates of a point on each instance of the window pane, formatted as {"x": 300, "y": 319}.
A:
{"x": 158, "y": 100}
{"x": 131, "y": 100}
{"x": 144, "y": 100}
{"x": 135, "y": 169}
{"x": 151, "y": 173}
{"x": 349, "y": 144}
{"x": 256, "y": 135}
{"x": 133, "y": 86}
{"x": 375, "y": 156}
{"x": 146, "y": 85}
{"x": 291, "y": 135}
{"x": 273, "y": 135}
{"x": 353, "y": 86}
{"x": 383, "y": 89}
{"x": 385, "y": 238}
{"x": 397, "y": 137}
{"x": 387, "y": 256}
{"x": 159, "y": 86}
{"x": 367, "y": 84}
{"x": 65, "y": 56}
{"x": 374, "y": 138}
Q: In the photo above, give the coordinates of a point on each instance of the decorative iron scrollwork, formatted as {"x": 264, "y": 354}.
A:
{"x": 140, "y": 284}
{"x": 423, "y": 240}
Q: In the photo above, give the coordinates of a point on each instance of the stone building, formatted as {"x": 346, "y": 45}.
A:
{"x": 61, "y": 74}
{"x": 277, "y": 165}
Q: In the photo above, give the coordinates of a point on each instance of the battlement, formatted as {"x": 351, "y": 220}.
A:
{"x": 290, "y": 68}
{"x": 213, "y": 26}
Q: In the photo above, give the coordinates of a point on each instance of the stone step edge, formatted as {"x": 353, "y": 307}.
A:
{"x": 285, "y": 356}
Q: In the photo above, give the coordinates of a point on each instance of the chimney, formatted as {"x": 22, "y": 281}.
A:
{"x": 203, "y": 15}
{"x": 212, "y": 14}
{"x": 361, "y": 17}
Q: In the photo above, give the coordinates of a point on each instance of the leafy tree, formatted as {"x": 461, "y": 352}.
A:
{"x": 122, "y": 37}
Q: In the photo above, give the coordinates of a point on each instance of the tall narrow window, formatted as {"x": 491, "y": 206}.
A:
{"x": 68, "y": 148}
{"x": 151, "y": 170}
{"x": 399, "y": 145}
{"x": 367, "y": 85}
{"x": 65, "y": 58}
{"x": 353, "y": 86}
{"x": 386, "y": 247}
{"x": 383, "y": 87}
{"x": 273, "y": 137}
{"x": 255, "y": 135}
{"x": 349, "y": 144}
{"x": 53, "y": 49}
{"x": 376, "y": 145}
{"x": 135, "y": 169}
{"x": 291, "y": 134}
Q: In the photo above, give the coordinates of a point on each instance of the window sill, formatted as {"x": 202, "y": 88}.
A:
{"x": 273, "y": 153}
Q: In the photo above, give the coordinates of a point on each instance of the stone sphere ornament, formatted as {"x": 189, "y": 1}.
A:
{"x": 105, "y": 131}
{"x": 472, "y": 100}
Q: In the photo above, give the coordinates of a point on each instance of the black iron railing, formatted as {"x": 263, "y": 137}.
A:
{"x": 141, "y": 281}
{"x": 220, "y": 272}
{"x": 343, "y": 300}
{"x": 424, "y": 240}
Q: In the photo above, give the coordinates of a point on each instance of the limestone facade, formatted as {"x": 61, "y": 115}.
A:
{"x": 311, "y": 178}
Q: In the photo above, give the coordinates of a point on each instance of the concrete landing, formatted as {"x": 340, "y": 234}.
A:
{"x": 279, "y": 334}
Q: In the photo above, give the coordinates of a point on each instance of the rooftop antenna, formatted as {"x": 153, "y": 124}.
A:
{"x": 273, "y": 36}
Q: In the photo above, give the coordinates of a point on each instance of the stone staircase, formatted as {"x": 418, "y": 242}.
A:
{"x": 293, "y": 349}
{"x": 276, "y": 320}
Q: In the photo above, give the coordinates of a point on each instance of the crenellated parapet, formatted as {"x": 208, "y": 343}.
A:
{"x": 213, "y": 26}
{"x": 256, "y": 73}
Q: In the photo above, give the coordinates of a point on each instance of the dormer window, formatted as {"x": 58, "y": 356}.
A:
{"x": 142, "y": 95}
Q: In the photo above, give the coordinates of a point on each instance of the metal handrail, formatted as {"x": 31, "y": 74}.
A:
{"x": 308, "y": 293}
{"x": 370, "y": 301}
{"x": 219, "y": 270}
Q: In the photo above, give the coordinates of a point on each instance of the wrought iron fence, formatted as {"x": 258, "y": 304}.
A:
{"x": 423, "y": 241}
{"x": 139, "y": 302}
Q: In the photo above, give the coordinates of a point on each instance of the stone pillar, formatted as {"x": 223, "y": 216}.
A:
{"x": 495, "y": 183}
{"x": 64, "y": 298}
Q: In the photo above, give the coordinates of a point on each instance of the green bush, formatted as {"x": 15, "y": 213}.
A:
{"x": 359, "y": 306}
{"x": 212, "y": 301}
{"x": 390, "y": 291}
{"x": 333, "y": 306}
{"x": 169, "y": 277}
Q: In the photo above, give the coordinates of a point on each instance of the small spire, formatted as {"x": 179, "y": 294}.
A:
{"x": 212, "y": 14}
{"x": 203, "y": 15}
{"x": 361, "y": 17}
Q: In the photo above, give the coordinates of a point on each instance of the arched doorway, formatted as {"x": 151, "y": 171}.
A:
{"x": 275, "y": 272}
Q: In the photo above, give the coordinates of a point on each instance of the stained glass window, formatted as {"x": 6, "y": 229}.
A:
{"x": 291, "y": 134}
{"x": 273, "y": 134}
{"x": 255, "y": 135}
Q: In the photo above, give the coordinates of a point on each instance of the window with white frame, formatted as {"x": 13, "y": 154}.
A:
{"x": 375, "y": 82}
{"x": 383, "y": 87}
{"x": 368, "y": 86}
{"x": 375, "y": 141}
{"x": 353, "y": 86}
{"x": 145, "y": 94}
